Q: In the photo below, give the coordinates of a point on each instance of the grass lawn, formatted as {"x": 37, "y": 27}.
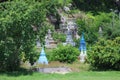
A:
{"x": 83, "y": 75}
{"x": 80, "y": 72}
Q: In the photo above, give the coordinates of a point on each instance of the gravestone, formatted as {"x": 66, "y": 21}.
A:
{"x": 69, "y": 23}
{"x": 73, "y": 27}
{"x": 49, "y": 42}
{"x": 69, "y": 39}
{"x": 38, "y": 43}
{"x": 100, "y": 31}
{"x": 66, "y": 9}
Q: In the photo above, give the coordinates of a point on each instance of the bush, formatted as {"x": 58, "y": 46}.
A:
{"x": 105, "y": 55}
{"x": 59, "y": 37}
{"x": 65, "y": 54}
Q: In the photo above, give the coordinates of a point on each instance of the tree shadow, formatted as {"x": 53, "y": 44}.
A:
{"x": 95, "y": 6}
{"x": 20, "y": 72}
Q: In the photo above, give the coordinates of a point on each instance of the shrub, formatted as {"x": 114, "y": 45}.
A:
{"x": 65, "y": 54}
{"x": 105, "y": 55}
{"x": 59, "y": 37}
{"x": 112, "y": 31}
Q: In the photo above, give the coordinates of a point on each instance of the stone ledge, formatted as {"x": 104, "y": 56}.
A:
{"x": 59, "y": 70}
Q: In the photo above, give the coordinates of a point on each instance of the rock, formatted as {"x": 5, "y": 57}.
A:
{"x": 66, "y": 9}
{"x": 49, "y": 42}
{"x": 59, "y": 70}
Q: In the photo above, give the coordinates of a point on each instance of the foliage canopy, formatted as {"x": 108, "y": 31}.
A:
{"x": 19, "y": 24}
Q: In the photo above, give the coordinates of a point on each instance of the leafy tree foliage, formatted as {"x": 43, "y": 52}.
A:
{"x": 89, "y": 31}
{"x": 90, "y": 26}
{"x": 95, "y": 5}
{"x": 60, "y": 37}
{"x": 19, "y": 23}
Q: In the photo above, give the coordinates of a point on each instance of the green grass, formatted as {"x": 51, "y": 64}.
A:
{"x": 62, "y": 1}
{"x": 85, "y": 75}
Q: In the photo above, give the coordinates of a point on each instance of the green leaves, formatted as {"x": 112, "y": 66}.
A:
{"x": 65, "y": 54}
{"x": 60, "y": 37}
{"x": 17, "y": 35}
{"x": 105, "y": 55}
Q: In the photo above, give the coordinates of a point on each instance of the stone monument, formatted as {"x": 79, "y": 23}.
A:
{"x": 42, "y": 59}
{"x": 49, "y": 42}
{"x": 100, "y": 31}
{"x": 38, "y": 43}
{"x": 69, "y": 39}
{"x": 82, "y": 49}
{"x": 66, "y": 9}
{"x": 69, "y": 24}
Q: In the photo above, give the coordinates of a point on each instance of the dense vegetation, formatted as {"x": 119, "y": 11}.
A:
{"x": 24, "y": 21}
{"x": 17, "y": 34}
{"x": 96, "y": 5}
{"x": 20, "y": 23}
{"x": 67, "y": 54}
{"x": 105, "y": 55}
{"x": 90, "y": 26}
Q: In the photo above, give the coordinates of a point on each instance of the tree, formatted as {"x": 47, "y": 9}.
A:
{"x": 19, "y": 24}
{"x": 95, "y": 5}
